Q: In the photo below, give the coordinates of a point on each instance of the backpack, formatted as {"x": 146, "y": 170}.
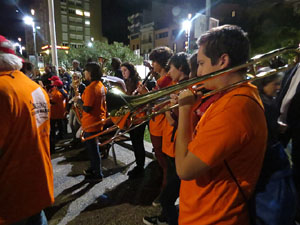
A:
{"x": 274, "y": 201}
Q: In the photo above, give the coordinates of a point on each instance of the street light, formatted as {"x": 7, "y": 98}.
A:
{"x": 28, "y": 20}
{"x": 186, "y": 25}
{"x": 90, "y": 44}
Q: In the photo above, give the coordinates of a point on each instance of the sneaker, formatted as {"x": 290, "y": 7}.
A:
{"x": 136, "y": 172}
{"x": 156, "y": 201}
{"x": 153, "y": 220}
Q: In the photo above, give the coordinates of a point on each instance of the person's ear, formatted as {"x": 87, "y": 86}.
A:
{"x": 224, "y": 61}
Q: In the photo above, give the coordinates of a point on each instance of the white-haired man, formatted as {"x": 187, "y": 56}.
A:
{"x": 26, "y": 175}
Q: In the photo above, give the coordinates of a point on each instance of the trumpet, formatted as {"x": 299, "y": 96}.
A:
{"x": 124, "y": 110}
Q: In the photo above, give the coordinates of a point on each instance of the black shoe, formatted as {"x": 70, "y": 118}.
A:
{"x": 91, "y": 176}
{"x": 153, "y": 220}
{"x": 136, "y": 172}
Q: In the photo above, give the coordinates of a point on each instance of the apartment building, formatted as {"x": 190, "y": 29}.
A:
{"x": 77, "y": 22}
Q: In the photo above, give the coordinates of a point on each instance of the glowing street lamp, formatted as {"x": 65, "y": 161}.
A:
{"x": 28, "y": 20}
{"x": 90, "y": 44}
{"x": 186, "y": 25}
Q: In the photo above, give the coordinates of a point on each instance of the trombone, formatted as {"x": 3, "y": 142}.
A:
{"x": 124, "y": 110}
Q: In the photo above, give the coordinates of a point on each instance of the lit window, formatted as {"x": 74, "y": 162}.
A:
{"x": 79, "y": 12}
{"x": 233, "y": 13}
{"x": 87, "y": 22}
{"x": 87, "y": 14}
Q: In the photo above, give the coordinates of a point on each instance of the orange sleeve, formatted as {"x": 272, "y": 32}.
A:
{"x": 222, "y": 135}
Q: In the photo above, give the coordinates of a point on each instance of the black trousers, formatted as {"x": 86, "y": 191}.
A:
{"x": 170, "y": 193}
{"x": 55, "y": 124}
{"x": 137, "y": 139}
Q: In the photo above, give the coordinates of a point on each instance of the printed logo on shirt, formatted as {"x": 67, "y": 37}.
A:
{"x": 40, "y": 108}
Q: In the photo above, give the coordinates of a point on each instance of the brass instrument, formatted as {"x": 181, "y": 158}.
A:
{"x": 77, "y": 103}
{"x": 124, "y": 110}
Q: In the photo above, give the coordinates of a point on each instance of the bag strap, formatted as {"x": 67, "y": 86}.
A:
{"x": 235, "y": 180}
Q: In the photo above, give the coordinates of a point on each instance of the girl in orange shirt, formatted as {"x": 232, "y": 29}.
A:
{"x": 159, "y": 57}
{"x": 179, "y": 71}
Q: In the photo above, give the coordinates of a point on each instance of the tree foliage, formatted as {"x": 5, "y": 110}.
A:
{"x": 271, "y": 25}
{"x": 99, "y": 49}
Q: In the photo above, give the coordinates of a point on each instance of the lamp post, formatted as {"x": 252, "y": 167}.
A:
{"x": 207, "y": 14}
{"x": 20, "y": 45}
{"x": 186, "y": 25}
{"x": 29, "y": 21}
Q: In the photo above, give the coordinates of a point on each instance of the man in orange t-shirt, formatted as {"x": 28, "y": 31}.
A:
{"x": 94, "y": 110}
{"x": 26, "y": 177}
{"x": 231, "y": 132}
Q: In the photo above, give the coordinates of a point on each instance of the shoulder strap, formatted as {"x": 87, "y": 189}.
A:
{"x": 251, "y": 99}
{"x": 235, "y": 180}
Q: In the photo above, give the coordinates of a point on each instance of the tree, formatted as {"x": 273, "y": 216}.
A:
{"x": 272, "y": 25}
{"x": 98, "y": 49}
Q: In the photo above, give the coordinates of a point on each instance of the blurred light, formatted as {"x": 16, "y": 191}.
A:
{"x": 87, "y": 14}
{"x": 186, "y": 25}
{"x": 28, "y": 20}
{"x": 79, "y": 12}
{"x": 19, "y": 39}
{"x": 67, "y": 52}
{"x": 23, "y": 48}
{"x": 92, "y": 39}
{"x": 17, "y": 10}
{"x": 32, "y": 12}
{"x": 38, "y": 27}
{"x": 90, "y": 44}
{"x": 47, "y": 51}
{"x": 189, "y": 16}
{"x": 87, "y": 22}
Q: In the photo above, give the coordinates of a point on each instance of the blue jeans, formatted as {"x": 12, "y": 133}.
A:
{"x": 94, "y": 154}
{"x": 37, "y": 219}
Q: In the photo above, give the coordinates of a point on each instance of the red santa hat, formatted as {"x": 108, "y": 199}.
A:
{"x": 58, "y": 83}
{"x": 8, "y": 58}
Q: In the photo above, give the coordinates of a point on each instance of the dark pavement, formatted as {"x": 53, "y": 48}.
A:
{"x": 115, "y": 200}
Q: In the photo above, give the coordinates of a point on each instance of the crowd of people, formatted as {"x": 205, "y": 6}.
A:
{"x": 213, "y": 152}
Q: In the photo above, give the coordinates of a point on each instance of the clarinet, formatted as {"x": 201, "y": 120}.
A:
{"x": 149, "y": 76}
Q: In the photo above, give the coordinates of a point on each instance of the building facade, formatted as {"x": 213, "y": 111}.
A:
{"x": 161, "y": 25}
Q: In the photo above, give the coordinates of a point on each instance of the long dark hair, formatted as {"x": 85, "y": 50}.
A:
{"x": 134, "y": 78}
{"x": 95, "y": 70}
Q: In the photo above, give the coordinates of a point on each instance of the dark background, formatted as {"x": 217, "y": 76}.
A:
{"x": 114, "y": 16}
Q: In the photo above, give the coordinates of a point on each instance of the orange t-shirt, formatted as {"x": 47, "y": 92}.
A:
{"x": 94, "y": 96}
{"x": 233, "y": 129}
{"x": 156, "y": 123}
{"x": 58, "y": 104}
{"x": 26, "y": 175}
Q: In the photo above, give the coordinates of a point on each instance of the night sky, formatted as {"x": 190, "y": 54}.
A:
{"x": 11, "y": 23}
